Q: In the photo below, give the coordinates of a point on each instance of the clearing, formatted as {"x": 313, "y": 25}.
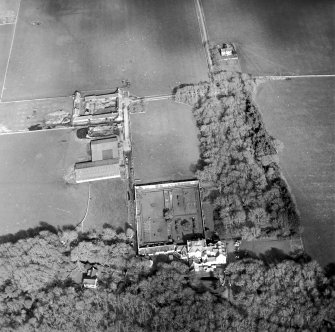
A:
{"x": 300, "y": 113}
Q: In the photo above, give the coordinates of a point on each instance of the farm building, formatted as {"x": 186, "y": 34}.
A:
{"x": 226, "y": 50}
{"x": 97, "y": 170}
{"x": 103, "y": 149}
{"x": 104, "y": 164}
{"x": 96, "y": 109}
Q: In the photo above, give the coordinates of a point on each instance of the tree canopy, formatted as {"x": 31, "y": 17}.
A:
{"x": 133, "y": 295}
{"x": 238, "y": 157}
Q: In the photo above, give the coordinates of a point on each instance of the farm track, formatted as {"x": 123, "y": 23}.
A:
{"x": 203, "y": 32}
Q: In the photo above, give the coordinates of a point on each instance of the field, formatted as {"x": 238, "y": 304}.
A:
{"x": 61, "y": 46}
{"x": 32, "y": 188}
{"x": 300, "y": 113}
{"x": 19, "y": 116}
{"x": 108, "y": 204}
{"x": 8, "y": 11}
{"x": 278, "y": 36}
{"x": 165, "y": 142}
{"x": 6, "y": 32}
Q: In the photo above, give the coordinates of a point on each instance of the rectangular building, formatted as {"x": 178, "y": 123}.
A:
{"x": 97, "y": 170}
{"x": 168, "y": 214}
{"x": 103, "y": 149}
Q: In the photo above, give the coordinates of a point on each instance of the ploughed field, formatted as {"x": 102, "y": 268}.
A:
{"x": 32, "y": 187}
{"x": 300, "y": 113}
{"x": 61, "y": 46}
{"x": 165, "y": 143}
{"x": 275, "y": 36}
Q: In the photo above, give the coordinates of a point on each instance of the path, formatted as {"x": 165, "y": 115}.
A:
{"x": 203, "y": 32}
{"x": 81, "y": 223}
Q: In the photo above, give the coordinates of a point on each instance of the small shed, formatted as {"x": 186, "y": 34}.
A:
{"x": 226, "y": 50}
{"x": 90, "y": 279}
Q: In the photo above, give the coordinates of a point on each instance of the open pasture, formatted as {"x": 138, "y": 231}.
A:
{"x": 6, "y": 32}
{"x": 300, "y": 113}
{"x": 61, "y": 46}
{"x": 32, "y": 185}
{"x": 275, "y": 36}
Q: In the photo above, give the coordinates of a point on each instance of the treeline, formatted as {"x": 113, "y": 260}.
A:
{"x": 134, "y": 295}
{"x": 239, "y": 157}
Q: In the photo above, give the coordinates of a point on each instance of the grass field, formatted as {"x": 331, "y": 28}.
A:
{"x": 165, "y": 142}
{"x": 108, "y": 204}
{"x": 300, "y": 113}
{"x": 61, "y": 46}
{"x": 276, "y": 36}
{"x": 19, "y": 116}
{"x": 32, "y": 188}
{"x": 6, "y": 32}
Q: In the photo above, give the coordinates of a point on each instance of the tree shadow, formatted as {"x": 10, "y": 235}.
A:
{"x": 119, "y": 230}
{"x": 28, "y": 233}
{"x": 68, "y": 227}
{"x": 127, "y": 226}
{"x": 330, "y": 270}
{"x": 274, "y": 256}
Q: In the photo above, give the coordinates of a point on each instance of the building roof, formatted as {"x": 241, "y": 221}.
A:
{"x": 103, "y": 149}
{"x": 98, "y": 170}
{"x": 90, "y": 282}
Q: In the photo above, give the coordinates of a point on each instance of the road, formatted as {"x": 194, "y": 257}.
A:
{"x": 203, "y": 32}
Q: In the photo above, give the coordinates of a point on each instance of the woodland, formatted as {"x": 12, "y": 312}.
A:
{"x": 238, "y": 163}
{"x": 37, "y": 292}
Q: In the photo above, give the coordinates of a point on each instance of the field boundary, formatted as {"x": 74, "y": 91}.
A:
{"x": 34, "y": 131}
{"x": 1, "y": 24}
{"x": 10, "y": 51}
{"x": 283, "y": 77}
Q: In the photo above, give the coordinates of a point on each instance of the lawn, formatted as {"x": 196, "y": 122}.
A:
{"x": 300, "y": 113}
{"x": 165, "y": 142}
{"x": 32, "y": 187}
{"x": 62, "y": 46}
{"x": 276, "y": 36}
{"x": 108, "y": 204}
